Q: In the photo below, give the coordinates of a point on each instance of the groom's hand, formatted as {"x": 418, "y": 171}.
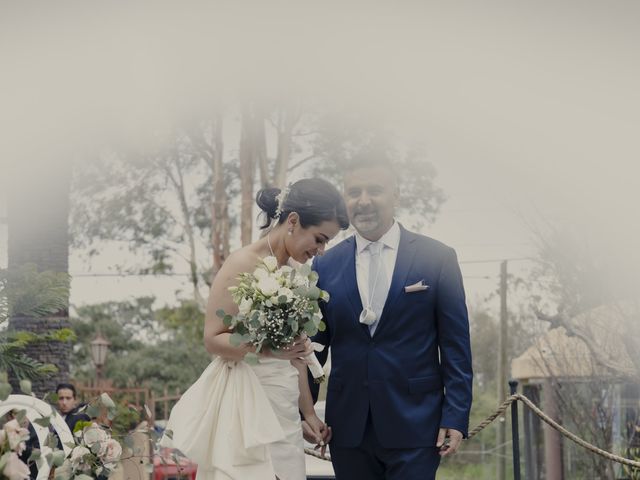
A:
{"x": 448, "y": 441}
{"x": 318, "y": 432}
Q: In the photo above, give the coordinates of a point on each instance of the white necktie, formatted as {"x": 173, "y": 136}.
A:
{"x": 377, "y": 283}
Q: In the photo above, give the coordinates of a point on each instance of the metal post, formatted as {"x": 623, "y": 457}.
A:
{"x": 513, "y": 386}
{"x": 502, "y": 374}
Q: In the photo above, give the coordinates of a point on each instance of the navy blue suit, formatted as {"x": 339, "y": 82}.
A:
{"x": 414, "y": 374}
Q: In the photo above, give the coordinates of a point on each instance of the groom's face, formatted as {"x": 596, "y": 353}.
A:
{"x": 370, "y": 196}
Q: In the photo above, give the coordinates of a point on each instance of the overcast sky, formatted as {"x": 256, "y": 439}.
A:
{"x": 528, "y": 112}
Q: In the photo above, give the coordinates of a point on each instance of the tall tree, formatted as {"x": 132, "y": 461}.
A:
{"x": 180, "y": 203}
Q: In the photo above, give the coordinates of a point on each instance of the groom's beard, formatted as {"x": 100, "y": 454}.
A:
{"x": 366, "y": 221}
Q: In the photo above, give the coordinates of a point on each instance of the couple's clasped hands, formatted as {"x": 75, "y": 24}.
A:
{"x": 316, "y": 431}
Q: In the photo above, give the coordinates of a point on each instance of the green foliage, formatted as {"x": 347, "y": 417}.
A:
{"x": 159, "y": 347}
{"x": 13, "y": 359}
{"x": 126, "y": 419}
{"x": 187, "y": 320}
{"x": 27, "y": 292}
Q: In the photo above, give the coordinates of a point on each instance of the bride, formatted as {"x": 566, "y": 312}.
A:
{"x": 240, "y": 421}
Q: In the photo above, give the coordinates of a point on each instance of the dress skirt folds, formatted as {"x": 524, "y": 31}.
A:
{"x": 241, "y": 422}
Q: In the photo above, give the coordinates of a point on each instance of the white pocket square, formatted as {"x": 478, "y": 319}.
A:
{"x": 416, "y": 287}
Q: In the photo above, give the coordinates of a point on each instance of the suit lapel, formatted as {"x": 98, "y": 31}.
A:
{"x": 404, "y": 260}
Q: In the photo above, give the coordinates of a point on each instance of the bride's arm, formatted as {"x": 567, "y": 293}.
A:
{"x": 216, "y": 334}
{"x": 305, "y": 404}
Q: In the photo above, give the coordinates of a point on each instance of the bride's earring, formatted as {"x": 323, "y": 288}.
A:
{"x": 290, "y": 232}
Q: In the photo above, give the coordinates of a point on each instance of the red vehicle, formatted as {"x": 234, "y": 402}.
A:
{"x": 168, "y": 464}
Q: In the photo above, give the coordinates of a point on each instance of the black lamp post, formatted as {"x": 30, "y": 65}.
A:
{"x": 99, "y": 349}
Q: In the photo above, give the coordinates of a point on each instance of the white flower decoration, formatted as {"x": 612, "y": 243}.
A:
{"x": 245, "y": 306}
{"x": 286, "y": 292}
{"x": 78, "y": 454}
{"x": 112, "y": 451}
{"x": 268, "y": 286}
{"x": 271, "y": 263}
{"x": 281, "y": 198}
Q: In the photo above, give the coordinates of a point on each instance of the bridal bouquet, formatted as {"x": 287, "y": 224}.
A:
{"x": 95, "y": 455}
{"x": 276, "y": 305}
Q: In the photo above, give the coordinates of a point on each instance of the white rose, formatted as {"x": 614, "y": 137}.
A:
{"x": 286, "y": 292}
{"x": 245, "y": 306}
{"x": 260, "y": 273}
{"x": 112, "y": 451}
{"x": 94, "y": 434}
{"x": 268, "y": 286}
{"x": 271, "y": 263}
{"x": 284, "y": 272}
{"x": 15, "y": 469}
{"x": 78, "y": 454}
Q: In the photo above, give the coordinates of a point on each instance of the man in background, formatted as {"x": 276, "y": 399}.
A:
{"x": 68, "y": 405}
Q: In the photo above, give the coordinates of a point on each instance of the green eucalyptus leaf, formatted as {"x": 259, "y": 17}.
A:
{"x": 57, "y": 459}
{"x": 5, "y": 391}
{"x": 236, "y": 339}
{"x": 105, "y": 399}
{"x": 314, "y": 293}
{"x": 93, "y": 411}
{"x": 304, "y": 270}
{"x": 35, "y": 455}
{"x": 43, "y": 422}
{"x": 310, "y": 328}
{"x": 25, "y": 386}
{"x": 251, "y": 358}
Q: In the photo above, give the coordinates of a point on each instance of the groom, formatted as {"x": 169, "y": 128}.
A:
{"x": 399, "y": 392}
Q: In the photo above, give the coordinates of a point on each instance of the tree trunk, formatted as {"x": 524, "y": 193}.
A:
{"x": 251, "y": 144}
{"x": 220, "y": 223}
{"x": 286, "y": 123}
{"x": 177, "y": 180}
{"x": 37, "y": 216}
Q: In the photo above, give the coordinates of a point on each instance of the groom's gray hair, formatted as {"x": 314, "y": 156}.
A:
{"x": 371, "y": 158}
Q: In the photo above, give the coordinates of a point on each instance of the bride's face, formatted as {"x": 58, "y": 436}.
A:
{"x": 305, "y": 243}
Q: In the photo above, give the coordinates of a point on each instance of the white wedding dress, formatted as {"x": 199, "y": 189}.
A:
{"x": 241, "y": 422}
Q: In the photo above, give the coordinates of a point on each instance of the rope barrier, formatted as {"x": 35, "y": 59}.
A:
{"x": 544, "y": 417}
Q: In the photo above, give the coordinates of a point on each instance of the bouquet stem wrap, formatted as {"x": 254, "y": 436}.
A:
{"x": 314, "y": 365}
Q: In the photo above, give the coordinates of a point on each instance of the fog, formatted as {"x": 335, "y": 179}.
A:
{"x": 528, "y": 112}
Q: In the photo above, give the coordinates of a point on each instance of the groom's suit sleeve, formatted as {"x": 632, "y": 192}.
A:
{"x": 323, "y": 338}
{"x": 455, "y": 346}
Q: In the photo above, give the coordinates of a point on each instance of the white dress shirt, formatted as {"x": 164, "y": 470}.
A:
{"x": 389, "y": 253}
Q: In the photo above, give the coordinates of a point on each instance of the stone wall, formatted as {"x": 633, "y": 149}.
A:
{"x": 53, "y": 352}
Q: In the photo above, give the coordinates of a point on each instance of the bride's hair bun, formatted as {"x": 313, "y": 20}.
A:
{"x": 313, "y": 199}
{"x": 268, "y": 203}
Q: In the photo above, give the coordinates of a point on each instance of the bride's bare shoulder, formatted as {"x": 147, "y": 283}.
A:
{"x": 244, "y": 259}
